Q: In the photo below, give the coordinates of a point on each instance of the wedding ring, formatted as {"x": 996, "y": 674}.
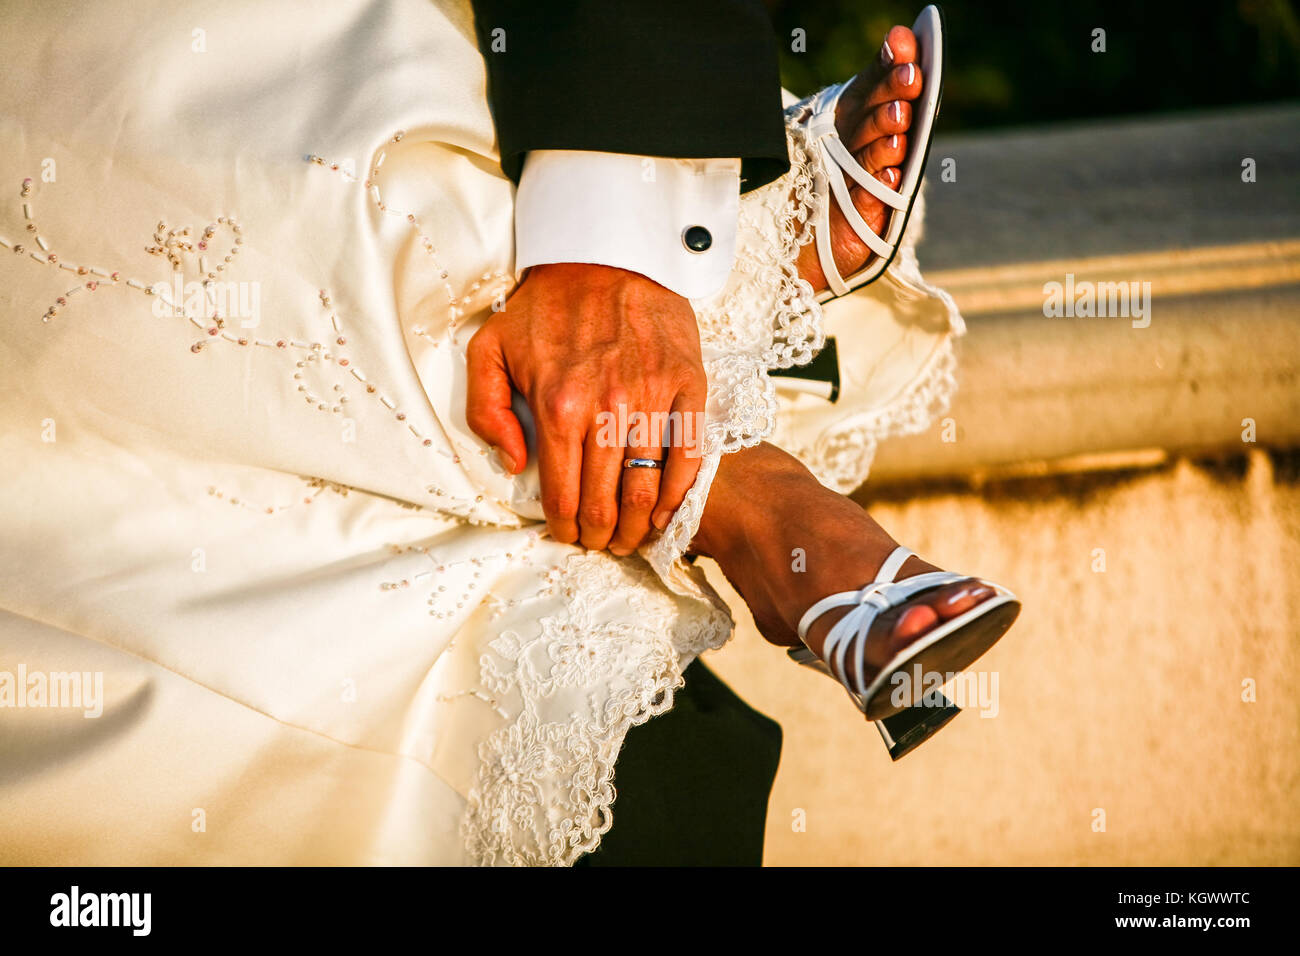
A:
{"x": 642, "y": 463}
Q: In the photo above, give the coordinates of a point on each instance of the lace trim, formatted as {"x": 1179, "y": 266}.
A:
{"x": 841, "y": 456}
{"x": 545, "y": 782}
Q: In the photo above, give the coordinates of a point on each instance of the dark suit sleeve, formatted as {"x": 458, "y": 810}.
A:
{"x": 678, "y": 78}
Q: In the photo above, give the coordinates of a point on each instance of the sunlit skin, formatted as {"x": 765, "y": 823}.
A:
{"x": 577, "y": 340}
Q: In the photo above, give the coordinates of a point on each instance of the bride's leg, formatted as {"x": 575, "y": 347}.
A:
{"x": 763, "y": 506}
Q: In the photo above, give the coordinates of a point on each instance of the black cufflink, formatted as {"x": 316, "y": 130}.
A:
{"x": 696, "y": 238}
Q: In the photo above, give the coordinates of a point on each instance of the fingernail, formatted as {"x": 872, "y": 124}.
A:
{"x": 661, "y": 519}
{"x": 909, "y": 74}
{"x": 507, "y": 462}
{"x": 886, "y": 54}
{"x": 896, "y": 111}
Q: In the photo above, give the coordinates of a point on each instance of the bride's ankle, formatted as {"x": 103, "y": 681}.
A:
{"x": 752, "y": 487}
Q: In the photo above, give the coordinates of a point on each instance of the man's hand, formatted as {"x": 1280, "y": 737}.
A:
{"x": 583, "y": 343}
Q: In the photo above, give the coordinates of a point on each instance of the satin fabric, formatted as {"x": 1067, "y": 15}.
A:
{"x": 328, "y": 626}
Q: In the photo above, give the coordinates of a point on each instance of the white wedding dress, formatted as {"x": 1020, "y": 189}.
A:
{"x": 324, "y": 626}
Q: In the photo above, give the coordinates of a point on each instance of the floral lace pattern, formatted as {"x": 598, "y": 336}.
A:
{"x": 576, "y": 684}
{"x": 841, "y": 456}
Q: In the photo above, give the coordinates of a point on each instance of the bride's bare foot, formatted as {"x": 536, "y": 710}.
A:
{"x": 872, "y": 118}
{"x": 785, "y": 541}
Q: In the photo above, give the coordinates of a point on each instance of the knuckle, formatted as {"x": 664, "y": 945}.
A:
{"x": 598, "y": 516}
{"x": 640, "y": 498}
{"x": 562, "y": 404}
{"x": 560, "y": 505}
{"x": 616, "y": 397}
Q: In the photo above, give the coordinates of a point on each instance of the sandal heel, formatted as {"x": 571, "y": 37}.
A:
{"x": 902, "y": 732}
{"x": 913, "y": 726}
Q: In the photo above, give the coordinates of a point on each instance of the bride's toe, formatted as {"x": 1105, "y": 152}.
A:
{"x": 911, "y": 624}
{"x": 929, "y": 610}
{"x": 960, "y": 598}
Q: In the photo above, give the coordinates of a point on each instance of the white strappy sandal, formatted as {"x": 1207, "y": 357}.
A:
{"x": 950, "y": 647}
{"x": 817, "y": 115}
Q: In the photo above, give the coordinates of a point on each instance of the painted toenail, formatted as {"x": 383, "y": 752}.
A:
{"x": 914, "y": 618}
{"x": 886, "y": 53}
{"x": 896, "y": 111}
{"x": 961, "y": 595}
{"x": 893, "y": 141}
{"x": 909, "y": 74}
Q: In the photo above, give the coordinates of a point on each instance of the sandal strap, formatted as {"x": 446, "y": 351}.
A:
{"x": 825, "y": 253}
{"x": 893, "y": 564}
{"x": 896, "y": 559}
{"x": 852, "y": 629}
{"x": 834, "y": 147}
{"x": 836, "y": 159}
{"x": 881, "y": 595}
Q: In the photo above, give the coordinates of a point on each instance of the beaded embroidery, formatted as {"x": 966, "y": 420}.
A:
{"x": 178, "y": 247}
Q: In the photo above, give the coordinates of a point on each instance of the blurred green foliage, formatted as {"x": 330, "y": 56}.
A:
{"x": 1025, "y": 62}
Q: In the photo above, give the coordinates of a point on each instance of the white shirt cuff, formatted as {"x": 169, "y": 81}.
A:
{"x": 641, "y": 213}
